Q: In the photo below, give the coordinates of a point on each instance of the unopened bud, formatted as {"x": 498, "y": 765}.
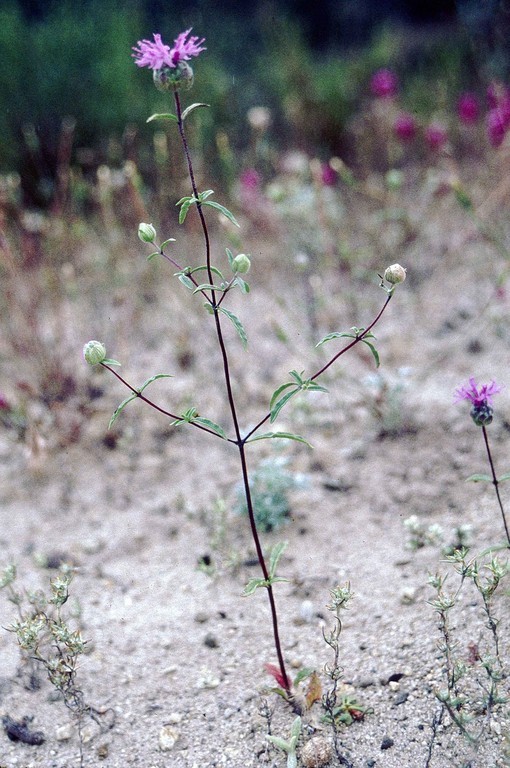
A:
{"x": 172, "y": 78}
{"x": 146, "y": 233}
{"x": 241, "y": 263}
{"x": 94, "y": 352}
{"x": 395, "y": 274}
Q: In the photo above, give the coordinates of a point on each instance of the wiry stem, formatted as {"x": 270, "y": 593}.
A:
{"x": 495, "y": 482}
{"x": 233, "y": 410}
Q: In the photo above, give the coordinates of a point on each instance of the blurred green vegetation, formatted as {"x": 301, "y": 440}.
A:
{"x": 75, "y": 62}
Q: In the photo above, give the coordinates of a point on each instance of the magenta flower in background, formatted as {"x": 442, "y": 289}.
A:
{"x": 496, "y": 127}
{"x": 250, "y": 179}
{"x": 436, "y": 136}
{"x": 405, "y": 127}
{"x": 329, "y": 176}
{"x": 468, "y": 108}
{"x": 384, "y": 83}
{"x": 156, "y": 55}
{"x": 477, "y": 396}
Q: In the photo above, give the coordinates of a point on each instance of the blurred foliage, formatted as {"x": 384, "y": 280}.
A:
{"x": 80, "y": 66}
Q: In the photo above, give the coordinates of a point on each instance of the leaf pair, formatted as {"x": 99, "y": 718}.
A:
{"x": 283, "y": 394}
{"x": 189, "y": 200}
{"x": 357, "y": 333}
{"x": 191, "y": 417}
{"x": 171, "y": 116}
{"x": 274, "y": 558}
{"x": 136, "y": 394}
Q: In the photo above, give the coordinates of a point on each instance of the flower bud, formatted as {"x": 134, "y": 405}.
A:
{"x": 482, "y": 414}
{"x": 172, "y": 78}
{"x": 94, "y": 352}
{"x": 146, "y": 233}
{"x": 241, "y": 264}
{"x": 395, "y": 274}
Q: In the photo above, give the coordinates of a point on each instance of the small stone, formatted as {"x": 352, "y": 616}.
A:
{"x": 103, "y": 751}
{"x": 387, "y": 743}
{"x": 64, "y": 732}
{"x": 316, "y": 753}
{"x": 168, "y": 736}
{"x": 210, "y": 641}
{"x": 401, "y": 698}
{"x": 408, "y": 595}
{"x": 201, "y": 617}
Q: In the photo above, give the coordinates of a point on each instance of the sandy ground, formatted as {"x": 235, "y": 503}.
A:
{"x": 174, "y": 649}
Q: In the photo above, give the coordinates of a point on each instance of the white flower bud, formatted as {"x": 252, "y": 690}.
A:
{"x": 94, "y": 352}
{"x": 146, "y": 233}
{"x": 395, "y": 274}
{"x": 241, "y": 263}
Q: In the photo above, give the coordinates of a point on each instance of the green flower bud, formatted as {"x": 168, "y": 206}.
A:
{"x": 395, "y": 274}
{"x": 94, "y": 352}
{"x": 172, "y": 78}
{"x": 146, "y": 233}
{"x": 241, "y": 264}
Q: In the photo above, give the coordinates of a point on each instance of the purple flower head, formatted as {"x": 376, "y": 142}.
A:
{"x": 156, "y": 55}
{"x": 468, "y": 108}
{"x": 496, "y": 127}
{"x": 384, "y": 83}
{"x": 436, "y": 136}
{"x": 477, "y": 395}
{"x": 405, "y": 127}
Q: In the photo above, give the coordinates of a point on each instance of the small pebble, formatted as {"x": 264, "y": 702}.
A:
{"x": 387, "y": 743}
{"x": 167, "y": 738}
{"x": 316, "y": 753}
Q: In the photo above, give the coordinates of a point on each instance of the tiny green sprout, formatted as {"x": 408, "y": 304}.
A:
{"x": 241, "y": 264}
{"x": 146, "y": 233}
{"x": 289, "y": 747}
{"x": 8, "y": 576}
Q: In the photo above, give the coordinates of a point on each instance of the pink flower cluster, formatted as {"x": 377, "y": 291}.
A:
{"x": 156, "y": 55}
{"x": 477, "y": 395}
{"x": 498, "y": 116}
{"x": 384, "y": 84}
{"x": 406, "y": 129}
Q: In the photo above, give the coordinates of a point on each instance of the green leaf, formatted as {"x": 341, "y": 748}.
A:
{"x": 281, "y": 402}
{"x": 332, "y": 336}
{"x": 107, "y": 361}
{"x": 298, "y": 377}
{"x": 162, "y": 116}
{"x": 202, "y": 196}
{"x": 185, "y": 280}
{"x": 210, "y": 425}
{"x": 237, "y": 325}
{"x": 279, "y": 742}
{"x": 204, "y": 267}
{"x": 373, "y": 351}
{"x": 120, "y": 408}
{"x": 243, "y": 285}
{"x": 252, "y": 585}
{"x": 191, "y": 108}
{"x": 230, "y": 256}
{"x": 170, "y": 240}
{"x": 154, "y": 378}
{"x": 504, "y": 477}
{"x": 479, "y": 478}
{"x": 221, "y": 208}
{"x": 152, "y": 255}
{"x": 208, "y": 287}
{"x": 303, "y": 674}
{"x": 279, "y": 435}
{"x": 274, "y": 558}
{"x": 185, "y": 206}
{"x": 276, "y": 394}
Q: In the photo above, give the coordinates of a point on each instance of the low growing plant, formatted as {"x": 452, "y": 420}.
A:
{"x": 212, "y": 284}
{"x": 45, "y": 638}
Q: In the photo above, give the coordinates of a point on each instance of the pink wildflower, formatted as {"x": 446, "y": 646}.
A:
{"x": 384, "y": 83}
{"x": 477, "y": 395}
{"x": 250, "y": 179}
{"x": 496, "y": 127}
{"x": 405, "y": 127}
{"x": 156, "y": 55}
{"x": 468, "y": 108}
{"x": 328, "y": 175}
{"x": 436, "y": 136}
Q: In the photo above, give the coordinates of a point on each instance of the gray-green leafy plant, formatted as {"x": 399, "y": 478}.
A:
{"x": 46, "y": 638}
{"x": 289, "y": 747}
{"x": 212, "y": 284}
{"x": 474, "y": 681}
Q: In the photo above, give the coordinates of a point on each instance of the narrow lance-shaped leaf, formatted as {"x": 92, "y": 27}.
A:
{"x": 154, "y": 378}
{"x": 283, "y": 401}
{"x": 120, "y": 408}
{"x": 191, "y": 108}
{"x": 237, "y": 325}
{"x": 162, "y": 116}
{"x": 210, "y": 425}
{"x": 373, "y": 351}
{"x": 504, "y": 477}
{"x": 279, "y": 435}
{"x": 274, "y": 558}
{"x": 479, "y": 478}
{"x": 221, "y": 208}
